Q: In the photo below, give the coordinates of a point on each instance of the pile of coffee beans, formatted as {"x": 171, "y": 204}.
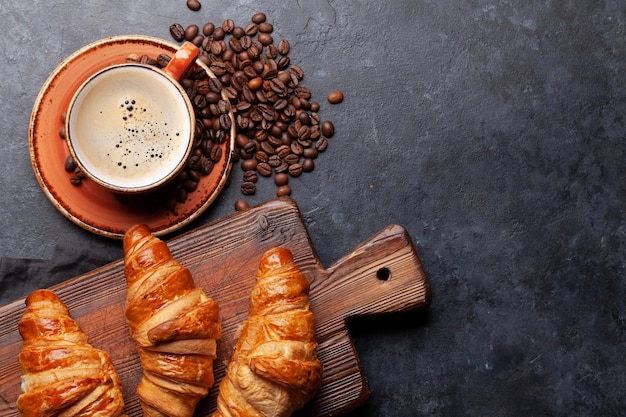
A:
{"x": 213, "y": 128}
{"x": 279, "y": 129}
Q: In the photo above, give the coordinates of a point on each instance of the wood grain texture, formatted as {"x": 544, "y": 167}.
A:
{"x": 382, "y": 275}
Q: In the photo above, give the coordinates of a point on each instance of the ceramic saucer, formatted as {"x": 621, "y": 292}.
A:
{"x": 89, "y": 205}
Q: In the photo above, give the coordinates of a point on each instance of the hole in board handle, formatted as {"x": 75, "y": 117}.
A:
{"x": 383, "y": 274}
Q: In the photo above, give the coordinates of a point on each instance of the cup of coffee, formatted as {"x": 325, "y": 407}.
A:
{"x": 130, "y": 126}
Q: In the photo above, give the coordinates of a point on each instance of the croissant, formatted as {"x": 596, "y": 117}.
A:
{"x": 274, "y": 369}
{"x": 173, "y": 323}
{"x": 63, "y": 374}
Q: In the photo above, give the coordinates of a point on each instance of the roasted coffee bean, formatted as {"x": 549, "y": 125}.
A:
{"x": 238, "y": 32}
{"x": 75, "y": 180}
{"x": 310, "y": 152}
{"x": 223, "y": 107}
{"x": 191, "y": 32}
{"x": 274, "y": 161}
{"x": 221, "y": 136}
{"x": 251, "y": 29}
{"x": 335, "y": 97}
{"x": 215, "y": 153}
{"x": 274, "y": 141}
{"x": 260, "y": 96}
{"x": 235, "y": 45}
{"x": 265, "y": 39}
{"x": 281, "y": 179}
{"x": 194, "y": 5}
{"x": 248, "y": 94}
{"x": 249, "y": 164}
{"x": 308, "y": 165}
{"x": 241, "y": 205}
{"x": 283, "y": 190}
{"x": 278, "y": 86}
{"x": 259, "y": 18}
{"x": 190, "y": 185}
{"x": 255, "y": 83}
{"x": 208, "y": 28}
{"x": 78, "y": 173}
{"x": 263, "y": 168}
{"x": 178, "y": 32}
{"x": 70, "y": 165}
{"x": 267, "y": 148}
{"x": 62, "y": 132}
{"x": 270, "y": 50}
{"x": 217, "y": 47}
{"x": 266, "y": 27}
{"x": 215, "y": 85}
{"x": 261, "y": 135}
{"x": 194, "y": 162}
{"x": 252, "y": 146}
{"x": 295, "y": 170}
{"x": 282, "y": 151}
{"x": 283, "y": 62}
{"x": 213, "y": 97}
{"x": 261, "y": 156}
{"x": 241, "y": 140}
{"x": 206, "y": 166}
{"x": 194, "y": 175}
{"x": 315, "y": 132}
{"x": 250, "y": 176}
{"x": 163, "y": 60}
{"x": 228, "y": 25}
{"x": 282, "y": 168}
{"x": 328, "y": 129}
{"x": 304, "y": 133}
{"x": 321, "y": 144}
{"x": 225, "y": 121}
{"x": 304, "y": 118}
{"x": 292, "y": 158}
{"x": 199, "y": 101}
{"x": 303, "y": 93}
{"x": 219, "y": 34}
{"x": 248, "y": 188}
{"x": 283, "y": 47}
{"x": 297, "y": 71}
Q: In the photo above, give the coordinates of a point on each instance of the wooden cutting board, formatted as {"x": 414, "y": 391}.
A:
{"x": 382, "y": 275}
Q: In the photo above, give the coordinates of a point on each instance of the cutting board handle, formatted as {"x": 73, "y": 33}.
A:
{"x": 382, "y": 275}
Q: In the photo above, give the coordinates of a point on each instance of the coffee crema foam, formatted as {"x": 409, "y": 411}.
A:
{"x": 131, "y": 127}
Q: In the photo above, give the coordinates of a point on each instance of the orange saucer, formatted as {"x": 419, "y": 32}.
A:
{"x": 89, "y": 205}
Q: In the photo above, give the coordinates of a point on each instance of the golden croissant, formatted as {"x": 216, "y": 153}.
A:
{"x": 274, "y": 368}
{"x": 63, "y": 374}
{"x": 173, "y": 323}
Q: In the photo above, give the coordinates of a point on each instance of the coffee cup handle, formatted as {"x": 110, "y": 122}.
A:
{"x": 182, "y": 60}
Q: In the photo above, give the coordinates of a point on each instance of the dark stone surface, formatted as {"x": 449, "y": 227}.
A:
{"x": 492, "y": 130}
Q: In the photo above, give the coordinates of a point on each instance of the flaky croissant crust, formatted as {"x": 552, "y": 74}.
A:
{"x": 63, "y": 373}
{"x": 274, "y": 368}
{"x": 173, "y": 323}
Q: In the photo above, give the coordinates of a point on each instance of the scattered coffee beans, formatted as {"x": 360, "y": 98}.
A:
{"x": 279, "y": 132}
{"x": 278, "y": 125}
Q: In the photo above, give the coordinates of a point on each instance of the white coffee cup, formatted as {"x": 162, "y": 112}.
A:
{"x": 130, "y": 126}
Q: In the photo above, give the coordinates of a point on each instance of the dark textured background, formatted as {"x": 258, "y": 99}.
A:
{"x": 492, "y": 130}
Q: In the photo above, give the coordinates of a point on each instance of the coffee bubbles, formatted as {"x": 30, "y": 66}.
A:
{"x": 131, "y": 128}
